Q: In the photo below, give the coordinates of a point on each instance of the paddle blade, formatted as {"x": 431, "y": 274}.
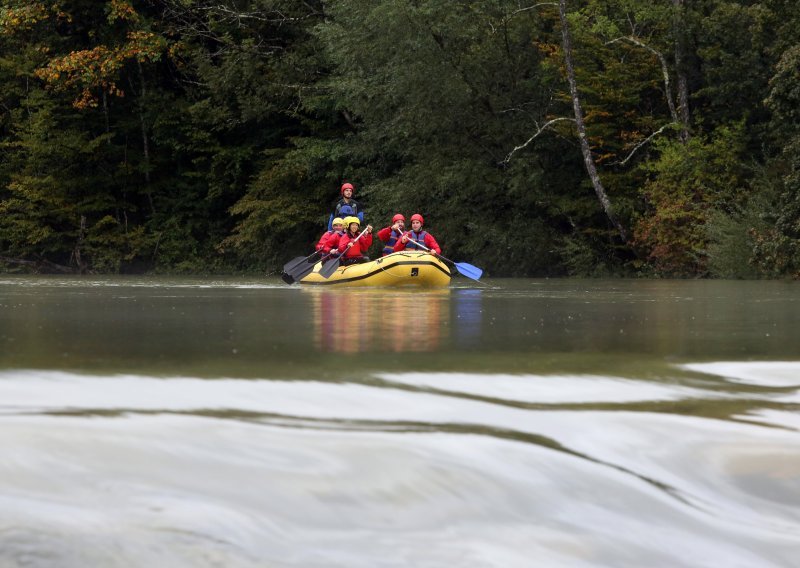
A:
{"x": 297, "y": 262}
{"x": 329, "y": 268}
{"x": 302, "y": 271}
{"x": 294, "y": 263}
{"x": 287, "y": 278}
{"x": 468, "y": 270}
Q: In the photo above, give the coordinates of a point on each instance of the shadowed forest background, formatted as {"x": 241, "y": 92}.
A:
{"x": 586, "y": 138}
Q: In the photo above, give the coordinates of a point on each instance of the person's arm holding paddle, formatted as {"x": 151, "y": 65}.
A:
{"x": 352, "y": 245}
{"x": 415, "y": 236}
{"x": 431, "y": 243}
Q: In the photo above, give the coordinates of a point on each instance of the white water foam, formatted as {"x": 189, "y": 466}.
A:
{"x": 367, "y": 488}
{"x": 552, "y": 389}
{"x": 761, "y": 373}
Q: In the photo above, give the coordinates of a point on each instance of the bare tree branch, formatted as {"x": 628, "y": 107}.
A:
{"x": 643, "y": 142}
{"x": 507, "y": 17}
{"x": 539, "y": 130}
{"x": 539, "y": 5}
{"x": 664, "y": 69}
{"x": 195, "y": 20}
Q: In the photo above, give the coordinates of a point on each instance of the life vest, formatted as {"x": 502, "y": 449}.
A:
{"x": 419, "y": 238}
{"x": 353, "y": 205}
{"x": 342, "y": 209}
{"x": 389, "y": 248}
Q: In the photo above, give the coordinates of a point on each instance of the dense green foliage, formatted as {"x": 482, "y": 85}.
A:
{"x": 212, "y": 136}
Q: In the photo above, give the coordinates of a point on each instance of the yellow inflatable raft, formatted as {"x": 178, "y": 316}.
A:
{"x": 407, "y": 268}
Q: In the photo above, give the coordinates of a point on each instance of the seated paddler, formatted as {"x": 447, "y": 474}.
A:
{"x": 337, "y": 230}
{"x": 390, "y": 235}
{"x": 416, "y": 235}
{"x": 353, "y": 247}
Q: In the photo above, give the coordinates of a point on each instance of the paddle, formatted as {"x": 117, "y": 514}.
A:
{"x": 290, "y": 266}
{"x": 298, "y": 267}
{"x": 464, "y": 268}
{"x": 299, "y": 273}
{"x": 330, "y": 267}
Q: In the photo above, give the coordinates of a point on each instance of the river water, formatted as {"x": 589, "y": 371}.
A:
{"x": 507, "y": 423}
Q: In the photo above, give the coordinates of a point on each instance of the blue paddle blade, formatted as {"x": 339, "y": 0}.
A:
{"x": 468, "y": 270}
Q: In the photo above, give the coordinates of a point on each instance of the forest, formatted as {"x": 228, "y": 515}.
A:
{"x": 632, "y": 138}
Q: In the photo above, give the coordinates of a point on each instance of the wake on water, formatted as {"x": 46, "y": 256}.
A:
{"x": 402, "y": 469}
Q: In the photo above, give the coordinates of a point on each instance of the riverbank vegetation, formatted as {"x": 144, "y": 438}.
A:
{"x": 592, "y": 137}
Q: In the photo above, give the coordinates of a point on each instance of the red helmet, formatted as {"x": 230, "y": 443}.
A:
{"x": 418, "y": 217}
{"x": 347, "y": 186}
{"x": 398, "y": 217}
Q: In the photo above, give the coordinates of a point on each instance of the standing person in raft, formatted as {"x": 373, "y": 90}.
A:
{"x": 346, "y": 205}
{"x": 352, "y": 251}
{"x": 417, "y": 235}
{"x": 389, "y": 235}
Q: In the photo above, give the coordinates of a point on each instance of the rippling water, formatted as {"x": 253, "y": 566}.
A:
{"x": 155, "y": 422}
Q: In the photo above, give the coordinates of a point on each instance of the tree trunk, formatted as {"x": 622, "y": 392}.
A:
{"x": 145, "y": 140}
{"x": 664, "y": 72}
{"x": 105, "y": 114}
{"x": 588, "y": 160}
{"x": 76, "y": 252}
{"x": 680, "y": 70}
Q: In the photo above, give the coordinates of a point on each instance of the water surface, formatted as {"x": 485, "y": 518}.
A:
{"x": 242, "y": 422}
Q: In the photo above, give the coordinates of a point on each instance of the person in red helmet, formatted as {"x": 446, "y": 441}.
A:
{"x": 350, "y": 250}
{"x": 417, "y": 235}
{"x": 390, "y": 235}
{"x": 346, "y": 206}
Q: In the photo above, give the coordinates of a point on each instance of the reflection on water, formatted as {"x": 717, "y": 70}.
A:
{"x": 469, "y": 315}
{"x": 352, "y": 321}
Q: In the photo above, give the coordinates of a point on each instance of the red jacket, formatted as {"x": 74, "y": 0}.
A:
{"x": 332, "y": 242}
{"x": 358, "y": 249}
{"x": 323, "y": 239}
{"x": 428, "y": 241}
{"x": 385, "y": 233}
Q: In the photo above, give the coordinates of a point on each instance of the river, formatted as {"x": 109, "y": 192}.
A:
{"x": 240, "y": 422}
